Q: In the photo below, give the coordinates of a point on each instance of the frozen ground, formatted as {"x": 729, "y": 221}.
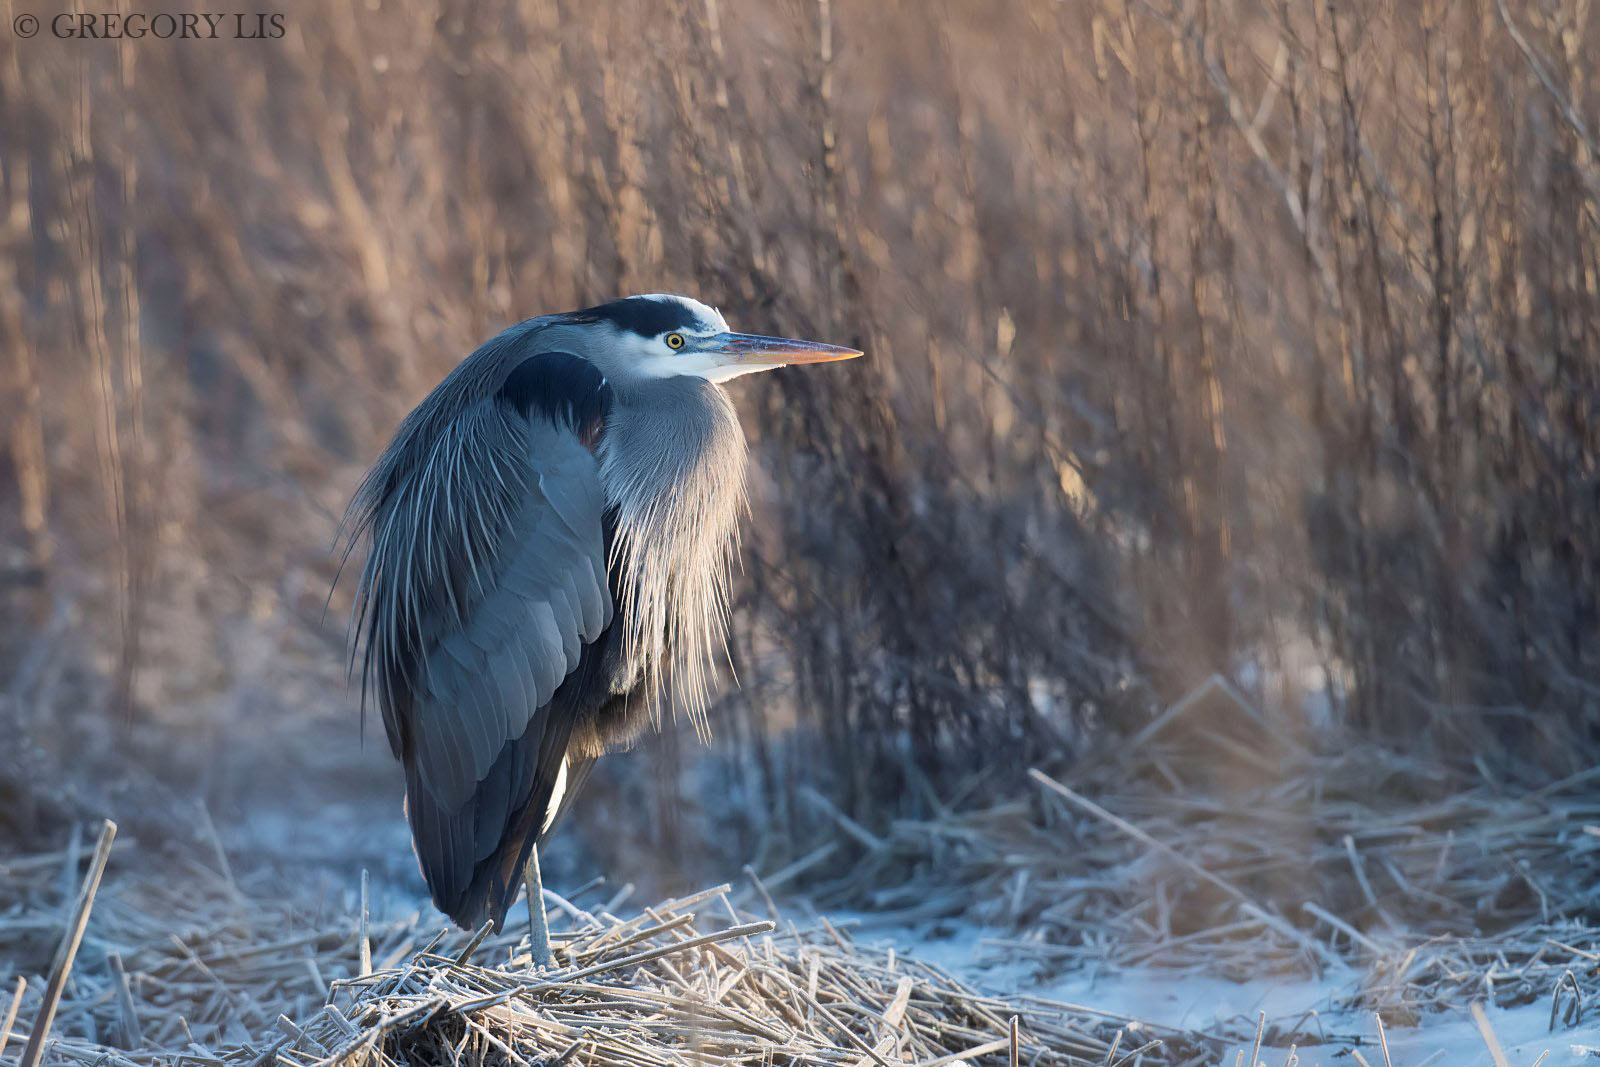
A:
{"x": 360, "y": 826}
{"x": 1192, "y": 1001}
{"x": 1157, "y": 998}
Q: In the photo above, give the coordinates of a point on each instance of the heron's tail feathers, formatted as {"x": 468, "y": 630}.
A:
{"x": 472, "y": 859}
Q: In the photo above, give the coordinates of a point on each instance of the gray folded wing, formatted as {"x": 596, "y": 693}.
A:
{"x": 486, "y": 585}
{"x": 542, "y": 598}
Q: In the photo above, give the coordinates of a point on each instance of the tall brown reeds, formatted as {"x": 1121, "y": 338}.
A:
{"x": 1231, "y": 336}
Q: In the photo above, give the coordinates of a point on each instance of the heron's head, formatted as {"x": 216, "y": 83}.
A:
{"x": 662, "y": 335}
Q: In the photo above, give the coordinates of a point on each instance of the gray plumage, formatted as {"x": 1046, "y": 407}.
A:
{"x": 551, "y": 534}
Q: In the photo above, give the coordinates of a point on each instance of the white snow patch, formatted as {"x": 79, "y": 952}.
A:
{"x": 1451, "y": 1039}
{"x": 1189, "y": 1001}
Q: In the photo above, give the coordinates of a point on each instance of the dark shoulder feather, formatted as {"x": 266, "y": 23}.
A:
{"x": 564, "y": 388}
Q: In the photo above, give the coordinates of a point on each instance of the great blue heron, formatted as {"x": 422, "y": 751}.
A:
{"x": 551, "y": 532}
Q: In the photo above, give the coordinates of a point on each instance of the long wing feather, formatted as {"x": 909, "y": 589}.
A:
{"x": 485, "y": 608}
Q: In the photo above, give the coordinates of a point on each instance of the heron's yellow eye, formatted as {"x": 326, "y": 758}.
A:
{"x": 675, "y": 341}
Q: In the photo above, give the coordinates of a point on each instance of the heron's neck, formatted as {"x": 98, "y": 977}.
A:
{"x": 672, "y": 462}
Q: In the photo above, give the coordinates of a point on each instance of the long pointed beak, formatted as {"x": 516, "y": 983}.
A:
{"x": 757, "y": 352}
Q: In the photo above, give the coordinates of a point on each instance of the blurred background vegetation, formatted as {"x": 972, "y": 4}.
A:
{"x": 1232, "y": 337}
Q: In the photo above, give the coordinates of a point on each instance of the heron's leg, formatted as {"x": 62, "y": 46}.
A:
{"x": 538, "y": 928}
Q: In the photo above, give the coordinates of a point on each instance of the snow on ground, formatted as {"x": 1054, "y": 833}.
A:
{"x": 1163, "y": 998}
{"x": 363, "y": 828}
{"x": 1193, "y": 1001}
{"x": 1522, "y": 1033}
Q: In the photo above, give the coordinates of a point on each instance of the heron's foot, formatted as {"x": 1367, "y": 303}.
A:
{"x": 532, "y": 954}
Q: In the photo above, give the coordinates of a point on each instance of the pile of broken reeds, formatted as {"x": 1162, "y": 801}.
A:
{"x": 183, "y": 964}
{"x": 1216, "y": 843}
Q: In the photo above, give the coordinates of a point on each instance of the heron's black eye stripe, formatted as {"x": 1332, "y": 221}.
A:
{"x": 562, "y": 387}
{"x": 642, "y": 315}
